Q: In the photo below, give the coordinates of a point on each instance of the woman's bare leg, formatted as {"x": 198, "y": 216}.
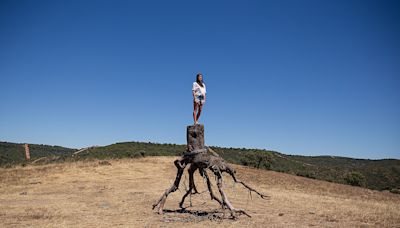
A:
{"x": 200, "y": 106}
{"x": 194, "y": 111}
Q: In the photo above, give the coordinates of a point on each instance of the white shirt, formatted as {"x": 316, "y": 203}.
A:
{"x": 198, "y": 90}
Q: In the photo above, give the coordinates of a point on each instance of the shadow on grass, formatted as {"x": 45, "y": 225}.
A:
{"x": 210, "y": 215}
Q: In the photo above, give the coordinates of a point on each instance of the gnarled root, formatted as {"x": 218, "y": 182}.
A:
{"x": 202, "y": 162}
{"x": 225, "y": 200}
{"x": 231, "y": 172}
{"x": 180, "y": 165}
{"x": 192, "y": 187}
{"x": 209, "y": 186}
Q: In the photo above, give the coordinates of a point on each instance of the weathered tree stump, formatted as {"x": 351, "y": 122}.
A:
{"x": 203, "y": 158}
{"x": 195, "y": 137}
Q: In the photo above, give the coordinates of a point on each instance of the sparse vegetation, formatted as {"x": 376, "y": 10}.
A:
{"x": 89, "y": 194}
{"x": 355, "y": 179}
{"x": 374, "y": 174}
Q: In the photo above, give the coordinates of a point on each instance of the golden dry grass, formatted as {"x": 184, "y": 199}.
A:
{"x": 86, "y": 194}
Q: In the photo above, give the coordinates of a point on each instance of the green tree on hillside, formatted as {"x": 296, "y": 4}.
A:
{"x": 355, "y": 179}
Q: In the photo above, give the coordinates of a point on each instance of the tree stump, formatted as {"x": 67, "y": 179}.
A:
{"x": 202, "y": 158}
{"x": 195, "y": 137}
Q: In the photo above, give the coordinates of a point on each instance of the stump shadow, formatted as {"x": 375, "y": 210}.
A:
{"x": 211, "y": 215}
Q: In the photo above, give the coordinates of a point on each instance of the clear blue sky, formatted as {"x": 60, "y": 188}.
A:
{"x": 300, "y": 77}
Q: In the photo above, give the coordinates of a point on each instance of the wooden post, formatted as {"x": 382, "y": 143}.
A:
{"x": 27, "y": 154}
{"x": 195, "y": 137}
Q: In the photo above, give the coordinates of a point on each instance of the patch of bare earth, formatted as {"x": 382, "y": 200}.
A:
{"x": 89, "y": 194}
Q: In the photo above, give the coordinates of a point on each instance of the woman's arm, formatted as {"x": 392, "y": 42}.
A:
{"x": 194, "y": 90}
{"x": 205, "y": 92}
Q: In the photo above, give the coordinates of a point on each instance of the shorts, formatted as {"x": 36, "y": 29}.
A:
{"x": 199, "y": 99}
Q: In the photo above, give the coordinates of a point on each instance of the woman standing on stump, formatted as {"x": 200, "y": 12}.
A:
{"x": 199, "y": 97}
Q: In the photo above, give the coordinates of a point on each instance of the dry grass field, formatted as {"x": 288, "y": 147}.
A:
{"x": 89, "y": 194}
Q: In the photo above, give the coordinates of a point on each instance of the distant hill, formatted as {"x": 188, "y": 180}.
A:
{"x": 374, "y": 174}
{"x": 14, "y": 153}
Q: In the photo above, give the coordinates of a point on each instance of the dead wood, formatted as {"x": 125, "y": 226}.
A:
{"x": 202, "y": 158}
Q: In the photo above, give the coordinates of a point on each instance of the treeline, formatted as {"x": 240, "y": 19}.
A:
{"x": 374, "y": 174}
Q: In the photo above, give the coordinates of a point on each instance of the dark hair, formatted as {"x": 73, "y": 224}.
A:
{"x": 198, "y": 81}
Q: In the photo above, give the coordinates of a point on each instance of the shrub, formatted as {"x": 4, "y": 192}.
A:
{"x": 355, "y": 179}
{"x": 395, "y": 190}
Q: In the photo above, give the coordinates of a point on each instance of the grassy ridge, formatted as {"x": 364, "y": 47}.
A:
{"x": 374, "y": 174}
{"x": 14, "y": 153}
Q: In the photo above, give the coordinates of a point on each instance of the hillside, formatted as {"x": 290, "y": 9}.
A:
{"x": 14, "y": 153}
{"x": 121, "y": 192}
{"x": 374, "y": 174}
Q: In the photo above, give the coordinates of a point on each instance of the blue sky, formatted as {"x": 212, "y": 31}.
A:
{"x": 299, "y": 77}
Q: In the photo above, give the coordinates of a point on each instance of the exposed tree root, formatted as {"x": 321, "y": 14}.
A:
{"x": 203, "y": 161}
{"x": 180, "y": 165}
{"x": 209, "y": 187}
{"x": 192, "y": 187}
